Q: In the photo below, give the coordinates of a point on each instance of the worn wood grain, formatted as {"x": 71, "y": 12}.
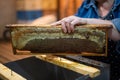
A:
{"x": 74, "y": 66}
{"x": 6, "y": 53}
{"x": 8, "y": 74}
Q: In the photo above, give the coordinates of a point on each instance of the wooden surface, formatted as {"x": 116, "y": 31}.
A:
{"x": 7, "y": 14}
{"x": 8, "y": 74}
{"x": 74, "y": 66}
{"x": 68, "y": 7}
{"x": 6, "y": 54}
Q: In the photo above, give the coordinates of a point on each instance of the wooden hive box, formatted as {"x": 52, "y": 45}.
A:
{"x": 90, "y": 40}
{"x": 8, "y": 74}
{"x": 78, "y": 68}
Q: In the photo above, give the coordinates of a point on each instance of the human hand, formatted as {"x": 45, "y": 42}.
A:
{"x": 68, "y": 23}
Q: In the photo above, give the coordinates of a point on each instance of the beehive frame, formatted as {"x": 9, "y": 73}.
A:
{"x": 16, "y": 27}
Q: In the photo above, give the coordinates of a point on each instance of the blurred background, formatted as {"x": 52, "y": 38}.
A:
{"x": 30, "y": 12}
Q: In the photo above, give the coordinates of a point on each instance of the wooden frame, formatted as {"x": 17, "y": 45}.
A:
{"x": 71, "y": 65}
{"x": 18, "y": 27}
{"x": 8, "y": 74}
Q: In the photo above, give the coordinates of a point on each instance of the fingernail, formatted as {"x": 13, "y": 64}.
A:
{"x": 69, "y": 31}
{"x": 65, "y": 31}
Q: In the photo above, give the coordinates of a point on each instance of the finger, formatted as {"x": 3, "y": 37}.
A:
{"x": 64, "y": 27}
{"x": 68, "y": 27}
{"x": 68, "y": 21}
{"x": 73, "y": 23}
{"x": 72, "y": 27}
{"x": 56, "y": 23}
{"x": 77, "y": 22}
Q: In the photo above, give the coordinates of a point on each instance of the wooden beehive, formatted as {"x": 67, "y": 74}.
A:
{"x": 8, "y": 74}
{"x": 45, "y": 39}
{"x": 78, "y": 68}
{"x": 71, "y": 65}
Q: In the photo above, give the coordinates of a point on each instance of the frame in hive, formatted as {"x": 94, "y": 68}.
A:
{"x": 89, "y": 40}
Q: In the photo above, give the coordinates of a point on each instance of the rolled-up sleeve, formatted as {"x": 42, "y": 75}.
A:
{"x": 116, "y": 23}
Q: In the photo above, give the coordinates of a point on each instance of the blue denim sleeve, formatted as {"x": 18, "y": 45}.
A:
{"x": 116, "y": 22}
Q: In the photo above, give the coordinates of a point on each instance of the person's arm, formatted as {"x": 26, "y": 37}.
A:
{"x": 116, "y": 30}
{"x": 69, "y": 23}
{"x": 113, "y": 33}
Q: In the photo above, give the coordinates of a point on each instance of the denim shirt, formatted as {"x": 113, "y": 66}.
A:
{"x": 89, "y": 10}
